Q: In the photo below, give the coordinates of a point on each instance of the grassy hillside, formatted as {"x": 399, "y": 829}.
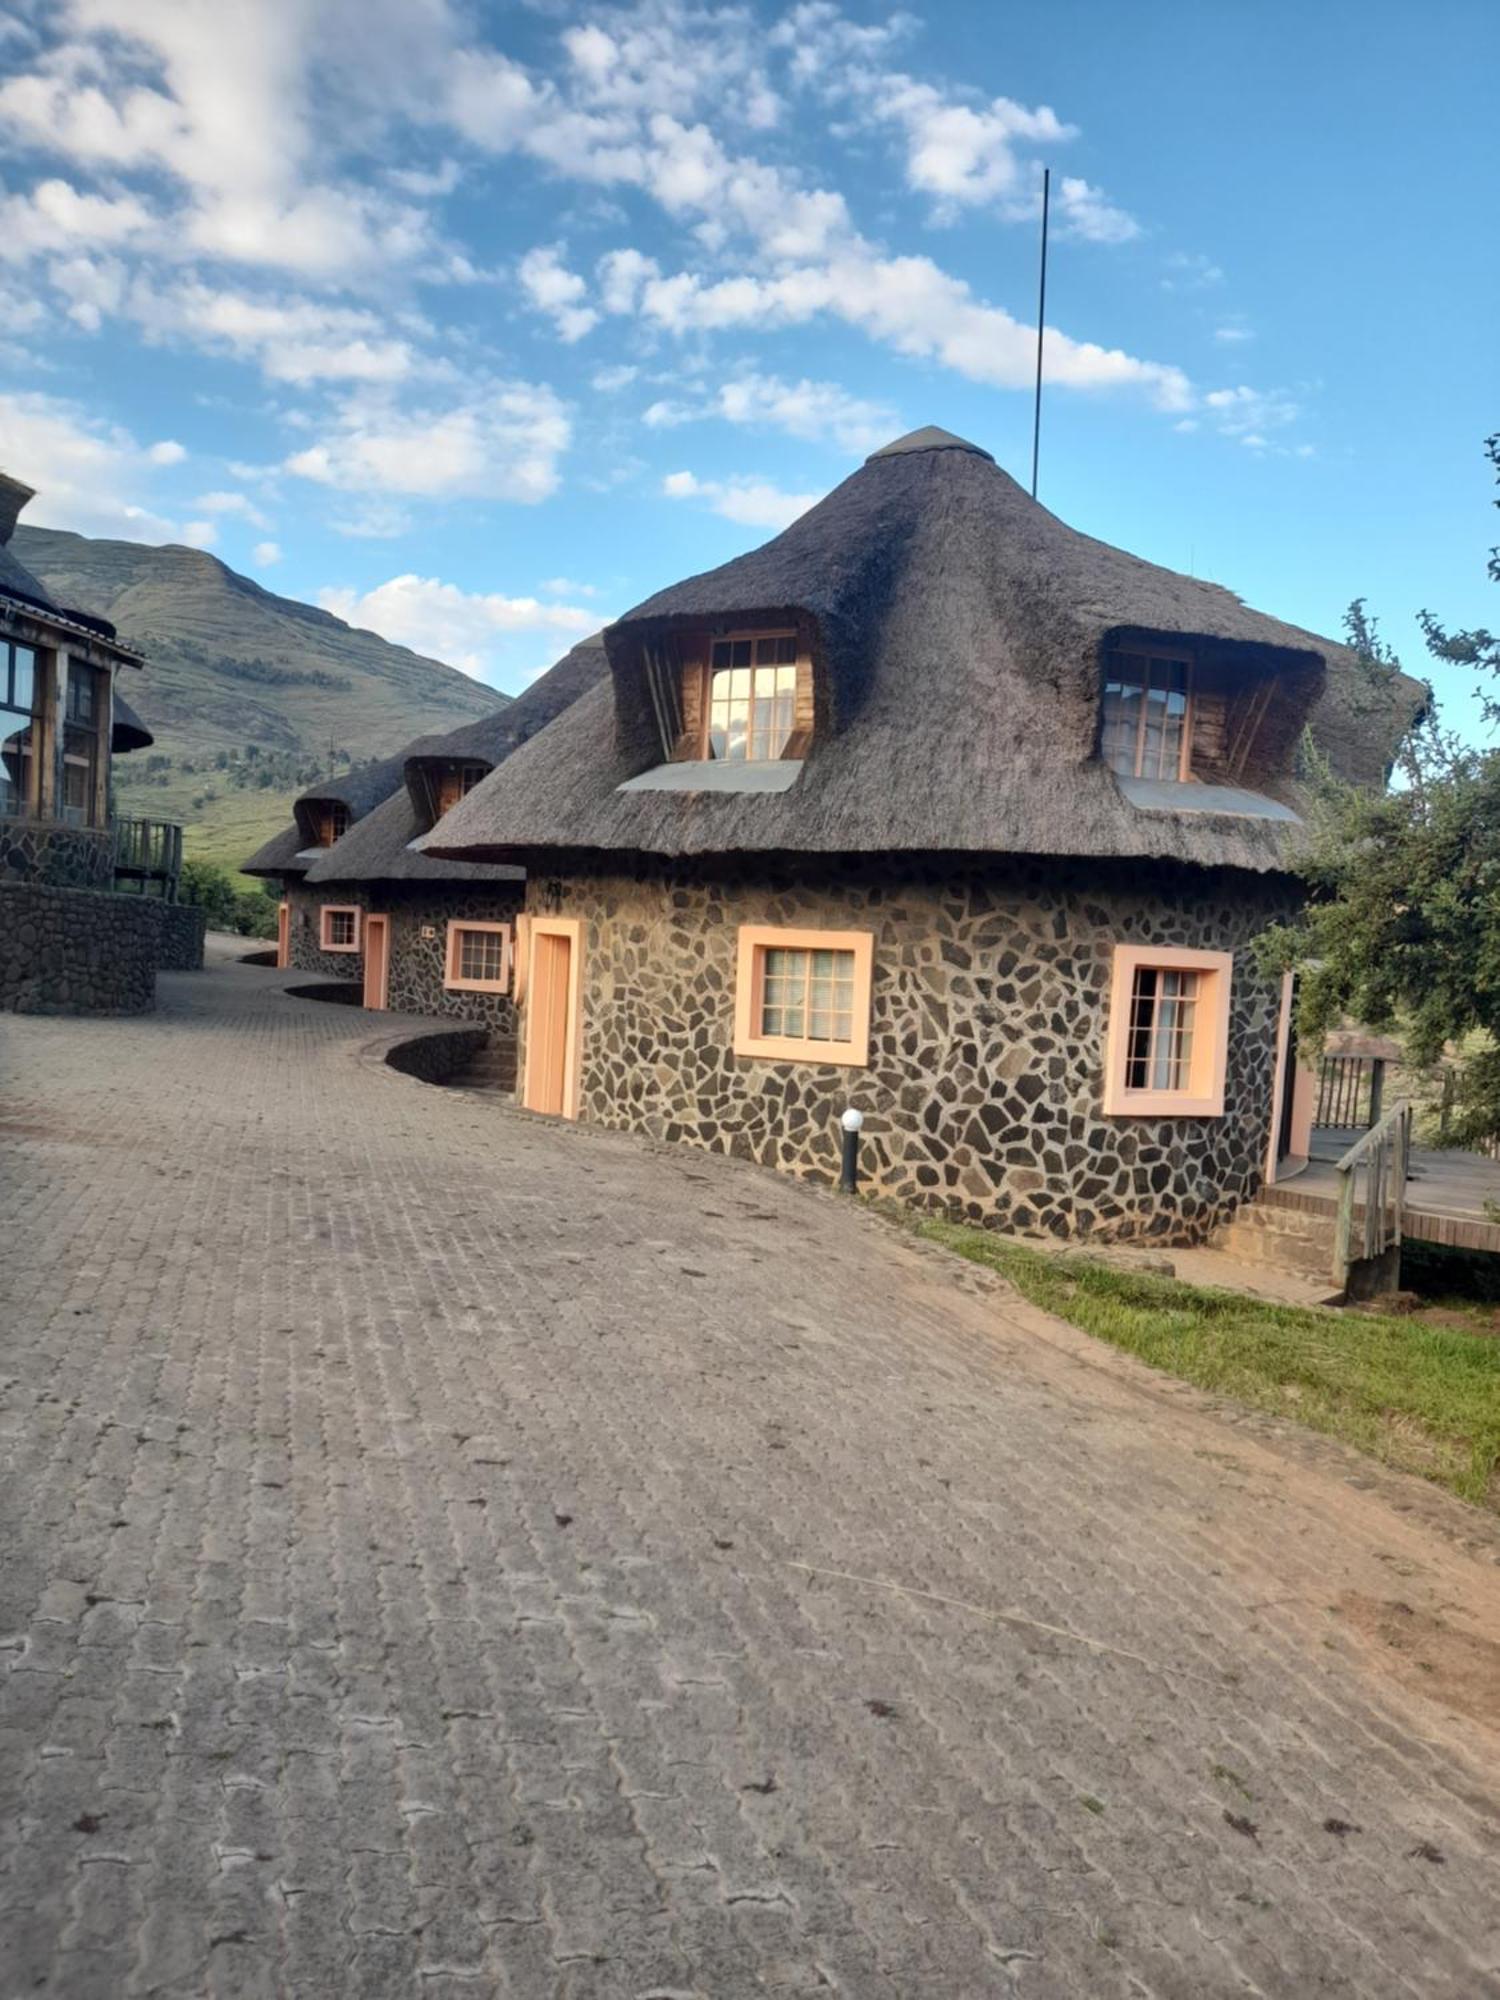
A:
{"x": 250, "y": 696}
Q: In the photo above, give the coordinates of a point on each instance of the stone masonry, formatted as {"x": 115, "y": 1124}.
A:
{"x": 65, "y": 857}
{"x": 78, "y": 951}
{"x": 308, "y": 954}
{"x": 416, "y": 978}
{"x": 983, "y": 1093}
{"x": 451, "y": 1555}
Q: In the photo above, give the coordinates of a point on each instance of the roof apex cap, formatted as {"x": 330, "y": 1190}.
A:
{"x": 931, "y": 437}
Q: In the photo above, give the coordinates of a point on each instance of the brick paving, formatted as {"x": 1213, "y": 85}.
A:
{"x": 404, "y": 1504}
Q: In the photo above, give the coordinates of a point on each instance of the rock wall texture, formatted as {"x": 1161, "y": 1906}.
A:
{"x": 436, "y": 1057}
{"x": 415, "y": 982}
{"x": 66, "y": 857}
{"x": 77, "y": 951}
{"x": 307, "y": 954}
{"x": 182, "y": 931}
{"x": 984, "y": 1089}
{"x": 417, "y": 960}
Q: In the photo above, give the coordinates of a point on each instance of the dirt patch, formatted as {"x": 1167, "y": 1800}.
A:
{"x": 1459, "y": 1670}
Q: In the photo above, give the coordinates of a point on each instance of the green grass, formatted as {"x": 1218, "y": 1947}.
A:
{"x": 1423, "y": 1398}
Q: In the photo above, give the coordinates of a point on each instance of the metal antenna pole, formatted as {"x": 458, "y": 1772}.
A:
{"x": 1041, "y": 322}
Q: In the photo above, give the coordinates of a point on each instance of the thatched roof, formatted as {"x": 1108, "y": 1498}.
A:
{"x": 281, "y": 855}
{"x": 956, "y": 630}
{"x": 378, "y": 847}
{"x": 126, "y": 730}
{"x": 18, "y": 583}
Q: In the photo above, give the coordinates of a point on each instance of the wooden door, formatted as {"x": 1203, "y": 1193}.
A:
{"x": 377, "y": 960}
{"x": 552, "y": 1021}
{"x": 283, "y": 935}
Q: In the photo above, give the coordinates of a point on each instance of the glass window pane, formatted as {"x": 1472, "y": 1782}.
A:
{"x": 23, "y": 683}
{"x": 721, "y": 653}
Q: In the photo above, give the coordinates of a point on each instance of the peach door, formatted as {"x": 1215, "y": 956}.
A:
{"x": 283, "y": 935}
{"x": 547, "y": 1030}
{"x": 377, "y": 960}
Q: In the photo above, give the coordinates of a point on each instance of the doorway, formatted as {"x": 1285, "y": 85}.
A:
{"x": 377, "y": 960}
{"x": 283, "y": 936}
{"x": 552, "y": 1017}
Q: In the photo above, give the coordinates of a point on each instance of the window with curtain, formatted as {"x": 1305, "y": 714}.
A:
{"x": 20, "y": 684}
{"x": 1163, "y": 1017}
{"x": 752, "y": 696}
{"x": 1147, "y": 715}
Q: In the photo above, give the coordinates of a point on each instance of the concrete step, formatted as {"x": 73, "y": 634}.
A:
{"x": 1282, "y": 1239}
{"x": 493, "y": 1068}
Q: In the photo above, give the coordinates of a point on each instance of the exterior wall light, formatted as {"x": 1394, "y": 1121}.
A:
{"x": 850, "y": 1123}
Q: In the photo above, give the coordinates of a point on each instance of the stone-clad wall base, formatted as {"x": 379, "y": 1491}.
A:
{"x": 77, "y": 951}
{"x": 307, "y": 954}
{"x": 416, "y": 984}
{"x": 984, "y": 1089}
{"x": 63, "y": 857}
{"x": 183, "y": 926}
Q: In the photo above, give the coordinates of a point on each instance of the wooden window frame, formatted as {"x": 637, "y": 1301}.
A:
{"x": 749, "y": 985}
{"x": 794, "y": 750}
{"x": 328, "y": 834}
{"x": 327, "y": 910}
{"x": 1204, "y": 1096}
{"x": 475, "y": 772}
{"x": 1179, "y": 656}
{"x": 452, "y": 958}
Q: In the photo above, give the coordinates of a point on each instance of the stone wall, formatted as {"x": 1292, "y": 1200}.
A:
{"x": 66, "y": 857}
{"x": 77, "y": 951}
{"x": 182, "y": 930}
{"x": 307, "y": 954}
{"x": 416, "y": 977}
{"x": 983, "y": 1092}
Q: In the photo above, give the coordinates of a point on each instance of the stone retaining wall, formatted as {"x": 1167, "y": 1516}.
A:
{"x": 65, "y": 857}
{"x": 77, "y": 951}
{"x": 983, "y": 1094}
{"x": 436, "y": 1057}
{"x": 182, "y": 930}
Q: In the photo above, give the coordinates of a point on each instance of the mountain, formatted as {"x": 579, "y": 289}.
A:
{"x": 249, "y": 695}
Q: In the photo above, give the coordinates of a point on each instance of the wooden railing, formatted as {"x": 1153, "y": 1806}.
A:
{"x": 1349, "y": 1091}
{"x": 148, "y": 847}
{"x": 1383, "y": 1156}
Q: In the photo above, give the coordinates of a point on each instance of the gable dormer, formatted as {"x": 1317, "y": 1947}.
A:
{"x": 436, "y": 784}
{"x": 321, "y": 821}
{"x": 1179, "y": 710}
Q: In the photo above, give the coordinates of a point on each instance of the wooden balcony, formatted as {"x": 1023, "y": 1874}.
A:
{"x": 148, "y": 856}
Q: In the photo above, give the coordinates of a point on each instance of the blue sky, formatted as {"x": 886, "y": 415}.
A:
{"x": 478, "y": 323}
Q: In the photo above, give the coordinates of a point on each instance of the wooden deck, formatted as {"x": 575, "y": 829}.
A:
{"x": 1446, "y": 1193}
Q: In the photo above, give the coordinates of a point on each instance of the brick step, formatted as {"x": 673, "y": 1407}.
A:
{"x": 1281, "y": 1239}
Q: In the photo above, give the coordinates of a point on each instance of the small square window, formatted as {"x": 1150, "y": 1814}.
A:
{"x": 803, "y": 995}
{"x": 477, "y": 958}
{"x": 1167, "y": 1049}
{"x": 339, "y": 927}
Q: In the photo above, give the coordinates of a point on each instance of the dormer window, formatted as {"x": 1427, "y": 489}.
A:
{"x": 752, "y": 704}
{"x": 1148, "y": 715}
{"x": 457, "y": 784}
{"x": 331, "y": 821}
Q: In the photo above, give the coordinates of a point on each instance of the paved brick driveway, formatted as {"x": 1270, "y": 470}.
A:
{"x": 404, "y": 1504}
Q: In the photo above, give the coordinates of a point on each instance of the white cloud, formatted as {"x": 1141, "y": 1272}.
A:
{"x": 755, "y": 503}
{"x": 198, "y": 534}
{"x": 1233, "y": 333}
{"x": 89, "y": 475}
{"x": 567, "y": 586}
{"x": 557, "y": 292}
{"x": 167, "y": 451}
{"x": 232, "y": 503}
{"x": 1249, "y": 415}
{"x": 265, "y": 554}
{"x": 503, "y": 443}
{"x": 610, "y": 381}
{"x": 54, "y": 216}
{"x": 459, "y": 626}
{"x": 804, "y": 409}
{"x": 291, "y": 339}
{"x": 1085, "y": 212}
{"x": 1191, "y": 271}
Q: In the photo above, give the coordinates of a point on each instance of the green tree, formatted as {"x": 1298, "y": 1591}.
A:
{"x": 1402, "y": 922}
{"x": 247, "y": 912}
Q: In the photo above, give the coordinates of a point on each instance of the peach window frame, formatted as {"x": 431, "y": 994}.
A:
{"x": 452, "y": 982}
{"x": 327, "y": 910}
{"x": 1204, "y": 1097}
{"x": 749, "y": 985}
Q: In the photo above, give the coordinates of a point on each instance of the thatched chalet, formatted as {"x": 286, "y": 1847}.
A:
{"x": 934, "y": 808}
{"x": 424, "y": 936}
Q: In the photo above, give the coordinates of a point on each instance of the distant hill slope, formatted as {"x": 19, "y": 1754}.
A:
{"x": 247, "y": 693}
